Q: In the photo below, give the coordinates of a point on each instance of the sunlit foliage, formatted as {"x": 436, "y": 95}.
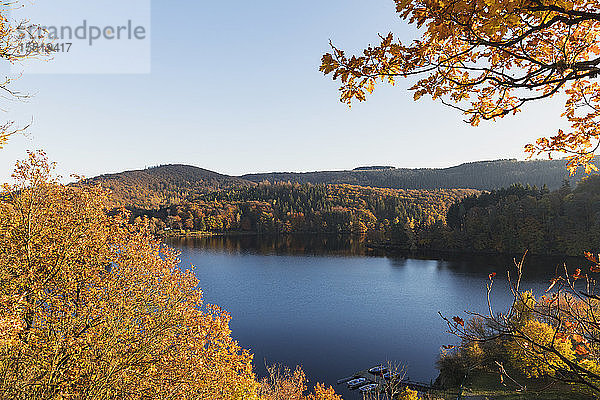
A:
{"x": 292, "y": 208}
{"x": 489, "y": 59}
{"x": 93, "y": 307}
{"x": 528, "y": 355}
{"x": 409, "y": 394}
{"x": 284, "y": 384}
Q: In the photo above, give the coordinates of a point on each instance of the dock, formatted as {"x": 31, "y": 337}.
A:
{"x": 382, "y": 383}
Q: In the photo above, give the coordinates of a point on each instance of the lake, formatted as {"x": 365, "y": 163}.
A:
{"x": 331, "y": 305}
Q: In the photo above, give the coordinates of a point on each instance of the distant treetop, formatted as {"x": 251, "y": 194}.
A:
{"x": 373, "y": 168}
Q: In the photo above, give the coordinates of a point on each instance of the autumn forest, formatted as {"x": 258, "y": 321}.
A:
{"x": 182, "y": 200}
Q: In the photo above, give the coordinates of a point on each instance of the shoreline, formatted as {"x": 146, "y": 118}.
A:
{"x": 389, "y": 248}
{"x": 449, "y": 253}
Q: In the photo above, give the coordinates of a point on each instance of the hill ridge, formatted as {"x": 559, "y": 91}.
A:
{"x": 165, "y": 184}
{"x": 481, "y": 175}
{"x": 160, "y": 185}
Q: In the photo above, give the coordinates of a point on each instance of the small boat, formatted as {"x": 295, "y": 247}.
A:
{"x": 345, "y": 380}
{"x": 378, "y": 369}
{"x": 354, "y": 383}
{"x": 368, "y": 388}
{"x": 390, "y": 376}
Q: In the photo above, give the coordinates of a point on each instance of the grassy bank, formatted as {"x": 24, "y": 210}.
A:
{"x": 488, "y": 385}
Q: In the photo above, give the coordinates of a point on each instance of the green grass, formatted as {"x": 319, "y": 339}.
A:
{"x": 488, "y": 384}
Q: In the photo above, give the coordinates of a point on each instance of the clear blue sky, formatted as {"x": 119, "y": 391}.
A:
{"x": 235, "y": 88}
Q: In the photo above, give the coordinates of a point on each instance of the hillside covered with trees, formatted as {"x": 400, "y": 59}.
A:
{"x": 482, "y": 175}
{"x": 518, "y": 219}
{"x": 289, "y": 208}
{"x": 179, "y": 199}
{"x": 166, "y": 184}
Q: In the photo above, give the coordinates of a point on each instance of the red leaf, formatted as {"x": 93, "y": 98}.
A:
{"x": 459, "y": 321}
{"x": 492, "y": 275}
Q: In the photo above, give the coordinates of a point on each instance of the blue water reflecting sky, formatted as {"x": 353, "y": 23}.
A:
{"x": 336, "y": 313}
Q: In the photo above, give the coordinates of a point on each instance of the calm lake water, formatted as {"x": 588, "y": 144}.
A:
{"x": 335, "y": 307}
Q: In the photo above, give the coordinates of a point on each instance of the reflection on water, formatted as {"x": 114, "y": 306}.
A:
{"x": 302, "y": 244}
{"x": 536, "y": 267}
{"x": 333, "y": 306}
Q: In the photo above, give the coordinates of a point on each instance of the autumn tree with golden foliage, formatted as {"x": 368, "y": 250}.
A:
{"x": 93, "y": 307}
{"x": 490, "y": 58}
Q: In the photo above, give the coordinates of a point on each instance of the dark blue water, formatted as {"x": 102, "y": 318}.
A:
{"x": 333, "y": 307}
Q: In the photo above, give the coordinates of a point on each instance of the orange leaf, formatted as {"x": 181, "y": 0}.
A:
{"x": 492, "y": 275}
{"x": 590, "y": 257}
{"x": 568, "y": 324}
{"x": 459, "y": 321}
{"x": 581, "y": 350}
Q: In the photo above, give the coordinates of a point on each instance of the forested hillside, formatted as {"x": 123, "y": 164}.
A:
{"x": 482, "y": 175}
{"x": 516, "y": 219}
{"x": 287, "y": 208}
{"x": 167, "y": 185}
{"x": 182, "y": 199}
{"x": 164, "y": 185}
